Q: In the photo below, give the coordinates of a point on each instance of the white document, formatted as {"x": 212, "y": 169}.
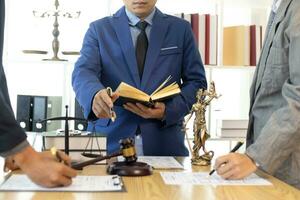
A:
{"x": 80, "y": 184}
{"x": 161, "y": 162}
{"x": 203, "y": 178}
{"x": 158, "y": 162}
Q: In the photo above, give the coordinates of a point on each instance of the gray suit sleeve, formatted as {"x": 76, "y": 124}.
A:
{"x": 281, "y": 134}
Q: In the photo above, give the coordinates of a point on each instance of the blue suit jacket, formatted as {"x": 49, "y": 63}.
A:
{"x": 108, "y": 58}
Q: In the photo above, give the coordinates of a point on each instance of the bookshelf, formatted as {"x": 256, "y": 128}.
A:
{"x": 233, "y": 82}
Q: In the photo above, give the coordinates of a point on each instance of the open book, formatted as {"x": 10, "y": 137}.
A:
{"x": 129, "y": 93}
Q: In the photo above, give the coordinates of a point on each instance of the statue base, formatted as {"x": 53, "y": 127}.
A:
{"x": 203, "y": 160}
{"x": 129, "y": 169}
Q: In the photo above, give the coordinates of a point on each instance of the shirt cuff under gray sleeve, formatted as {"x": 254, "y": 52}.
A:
{"x": 16, "y": 149}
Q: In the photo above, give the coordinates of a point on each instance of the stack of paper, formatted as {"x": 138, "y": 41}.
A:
{"x": 232, "y": 128}
{"x": 161, "y": 162}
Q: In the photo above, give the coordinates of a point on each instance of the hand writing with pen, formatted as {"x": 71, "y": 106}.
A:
{"x": 234, "y": 166}
{"x": 42, "y": 167}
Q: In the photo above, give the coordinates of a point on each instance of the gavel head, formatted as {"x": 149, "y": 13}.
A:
{"x": 128, "y": 150}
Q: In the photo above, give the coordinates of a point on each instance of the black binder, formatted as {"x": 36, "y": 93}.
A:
{"x": 24, "y": 112}
{"x": 79, "y": 125}
{"x": 32, "y": 109}
{"x": 39, "y": 113}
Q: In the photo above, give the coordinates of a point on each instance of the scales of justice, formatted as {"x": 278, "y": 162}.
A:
{"x": 129, "y": 167}
{"x": 204, "y": 97}
{"x": 55, "y": 43}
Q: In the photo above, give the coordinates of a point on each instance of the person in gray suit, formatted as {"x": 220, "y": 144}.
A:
{"x": 41, "y": 168}
{"x": 273, "y": 139}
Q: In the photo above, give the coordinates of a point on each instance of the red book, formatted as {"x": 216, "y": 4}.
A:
{"x": 207, "y": 39}
{"x": 253, "y": 45}
{"x": 195, "y": 27}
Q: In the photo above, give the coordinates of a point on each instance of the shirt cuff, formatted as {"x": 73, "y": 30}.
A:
{"x": 16, "y": 149}
{"x": 256, "y": 163}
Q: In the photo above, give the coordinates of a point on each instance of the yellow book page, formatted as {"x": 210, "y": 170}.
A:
{"x": 132, "y": 95}
{"x": 166, "y": 94}
{"x": 169, "y": 87}
{"x": 168, "y": 91}
{"x": 131, "y": 92}
{"x": 161, "y": 85}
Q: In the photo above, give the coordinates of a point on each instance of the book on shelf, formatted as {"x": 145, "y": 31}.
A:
{"x": 211, "y": 39}
{"x": 231, "y": 133}
{"x": 232, "y": 123}
{"x": 195, "y": 27}
{"x": 78, "y": 144}
{"x": 242, "y": 45}
{"x": 236, "y": 46}
{"x": 255, "y": 43}
{"x": 128, "y": 93}
{"x": 205, "y": 30}
{"x": 232, "y": 128}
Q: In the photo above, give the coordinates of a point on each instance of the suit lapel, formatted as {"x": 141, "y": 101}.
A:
{"x": 157, "y": 35}
{"x": 121, "y": 26}
{"x": 268, "y": 44}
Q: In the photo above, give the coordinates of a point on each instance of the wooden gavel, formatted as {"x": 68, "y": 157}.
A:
{"x": 127, "y": 150}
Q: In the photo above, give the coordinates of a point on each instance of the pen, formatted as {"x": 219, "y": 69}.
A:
{"x": 55, "y": 153}
{"x": 237, "y": 146}
{"x": 113, "y": 115}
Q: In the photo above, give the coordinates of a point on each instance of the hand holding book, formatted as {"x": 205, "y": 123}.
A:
{"x": 155, "y": 112}
{"x": 128, "y": 93}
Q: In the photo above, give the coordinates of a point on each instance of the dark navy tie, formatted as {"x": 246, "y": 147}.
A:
{"x": 141, "y": 46}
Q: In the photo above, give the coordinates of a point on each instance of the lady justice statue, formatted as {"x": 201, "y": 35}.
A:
{"x": 204, "y": 98}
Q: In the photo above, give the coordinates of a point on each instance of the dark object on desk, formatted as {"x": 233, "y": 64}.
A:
{"x": 237, "y": 146}
{"x": 129, "y": 167}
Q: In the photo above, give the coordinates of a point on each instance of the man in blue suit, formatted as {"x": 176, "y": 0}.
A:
{"x": 140, "y": 46}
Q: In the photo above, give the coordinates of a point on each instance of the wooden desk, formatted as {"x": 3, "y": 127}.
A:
{"x": 153, "y": 187}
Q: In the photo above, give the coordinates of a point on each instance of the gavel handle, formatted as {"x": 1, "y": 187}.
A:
{"x": 80, "y": 165}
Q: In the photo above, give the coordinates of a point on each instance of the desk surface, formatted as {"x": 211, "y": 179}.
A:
{"x": 153, "y": 187}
